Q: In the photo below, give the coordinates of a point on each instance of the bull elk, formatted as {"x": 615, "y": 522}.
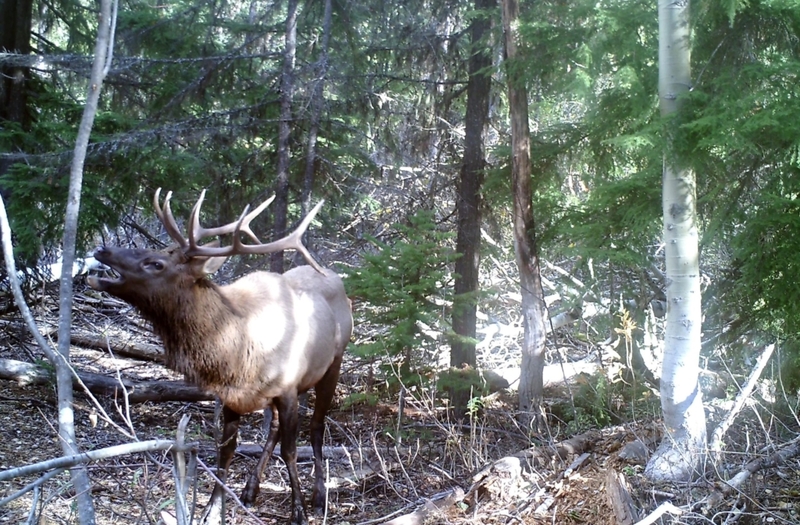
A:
{"x": 257, "y": 343}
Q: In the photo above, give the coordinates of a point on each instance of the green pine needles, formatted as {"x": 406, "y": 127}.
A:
{"x": 402, "y": 289}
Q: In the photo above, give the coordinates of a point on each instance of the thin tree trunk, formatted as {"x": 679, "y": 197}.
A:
{"x": 468, "y": 239}
{"x": 281, "y": 205}
{"x": 66, "y": 421}
{"x": 316, "y": 111}
{"x": 533, "y": 307}
{"x": 681, "y": 453}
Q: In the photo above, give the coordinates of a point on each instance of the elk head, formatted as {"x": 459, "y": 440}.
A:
{"x": 142, "y": 274}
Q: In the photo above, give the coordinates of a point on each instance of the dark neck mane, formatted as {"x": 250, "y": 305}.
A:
{"x": 195, "y": 326}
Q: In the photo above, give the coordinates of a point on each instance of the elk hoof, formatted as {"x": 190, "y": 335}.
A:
{"x": 318, "y": 501}
{"x": 250, "y": 492}
{"x": 299, "y": 518}
{"x": 212, "y": 515}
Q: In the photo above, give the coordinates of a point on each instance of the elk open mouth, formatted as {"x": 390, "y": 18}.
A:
{"x": 104, "y": 275}
{"x": 101, "y": 281}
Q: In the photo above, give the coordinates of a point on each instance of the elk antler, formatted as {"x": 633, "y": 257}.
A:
{"x": 167, "y": 219}
{"x": 197, "y": 232}
{"x": 293, "y": 241}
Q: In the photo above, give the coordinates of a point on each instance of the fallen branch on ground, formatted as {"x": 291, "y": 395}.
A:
{"x": 146, "y": 351}
{"x": 87, "y": 457}
{"x": 744, "y": 394}
{"x": 792, "y": 449}
{"x": 619, "y": 496}
{"x": 137, "y": 350}
{"x": 536, "y": 456}
{"x": 436, "y": 503}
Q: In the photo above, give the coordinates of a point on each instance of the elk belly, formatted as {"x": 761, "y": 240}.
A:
{"x": 242, "y": 402}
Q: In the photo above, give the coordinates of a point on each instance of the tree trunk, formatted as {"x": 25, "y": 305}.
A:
{"x": 66, "y": 426}
{"x": 680, "y": 455}
{"x": 281, "y": 205}
{"x": 468, "y": 239}
{"x": 15, "y": 37}
{"x": 533, "y": 306}
{"x": 316, "y": 111}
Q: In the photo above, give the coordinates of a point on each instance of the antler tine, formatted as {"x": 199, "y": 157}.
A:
{"x": 197, "y": 232}
{"x": 293, "y": 241}
{"x": 167, "y": 219}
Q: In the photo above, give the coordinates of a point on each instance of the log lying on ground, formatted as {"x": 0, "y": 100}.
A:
{"x": 499, "y": 475}
{"x": 138, "y": 392}
{"x": 788, "y": 451}
{"x": 512, "y": 466}
{"x": 146, "y": 351}
{"x": 138, "y": 350}
{"x": 619, "y": 497}
{"x": 554, "y": 375}
{"x": 437, "y": 503}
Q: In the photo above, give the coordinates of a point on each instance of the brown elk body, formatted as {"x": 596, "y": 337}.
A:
{"x": 257, "y": 343}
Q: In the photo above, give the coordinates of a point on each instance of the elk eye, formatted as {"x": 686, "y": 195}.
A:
{"x": 156, "y": 265}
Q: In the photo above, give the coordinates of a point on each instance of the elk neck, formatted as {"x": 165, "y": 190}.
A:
{"x": 203, "y": 334}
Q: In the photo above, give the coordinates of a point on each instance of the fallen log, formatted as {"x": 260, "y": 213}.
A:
{"x": 789, "y": 451}
{"x": 553, "y": 375}
{"x": 104, "y": 342}
{"x": 138, "y": 391}
{"x": 437, "y": 503}
{"x": 146, "y": 351}
{"x": 619, "y": 496}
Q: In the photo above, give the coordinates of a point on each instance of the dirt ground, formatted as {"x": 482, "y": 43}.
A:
{"x": 379, "y": 469}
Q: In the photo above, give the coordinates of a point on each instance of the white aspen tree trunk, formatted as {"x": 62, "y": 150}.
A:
{"x": 681, "y": 453}
{"x": 66, "y": 416}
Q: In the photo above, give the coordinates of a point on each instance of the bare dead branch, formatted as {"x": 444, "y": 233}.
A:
{"x": 744, "y": 395}
{"x": 88, "y": 457}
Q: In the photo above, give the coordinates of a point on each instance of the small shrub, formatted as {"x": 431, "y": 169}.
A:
{"x": 404, "y": 291}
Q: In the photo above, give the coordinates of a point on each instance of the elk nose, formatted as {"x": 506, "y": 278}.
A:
{"x": 102, "y": 252}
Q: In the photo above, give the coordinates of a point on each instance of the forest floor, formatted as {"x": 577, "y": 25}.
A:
{"x": 486, "y": 471}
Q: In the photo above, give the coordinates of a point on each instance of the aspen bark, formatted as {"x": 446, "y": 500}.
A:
{"x": 681, "y": 453}
{"x": 66, "y": 422}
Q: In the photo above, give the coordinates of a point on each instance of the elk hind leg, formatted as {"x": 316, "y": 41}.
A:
{"x": 288, "y": 422}
{"x": 325, "y": 389}
{"x": 253, "y": 485}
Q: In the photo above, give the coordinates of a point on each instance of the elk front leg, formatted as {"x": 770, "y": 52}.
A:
{"x": 230, "y": 429}
{"x": 253, "y": 485}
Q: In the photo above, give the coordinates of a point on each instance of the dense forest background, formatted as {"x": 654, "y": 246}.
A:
{"x": 193, "y": 101}
{"x": 366, "y": 106}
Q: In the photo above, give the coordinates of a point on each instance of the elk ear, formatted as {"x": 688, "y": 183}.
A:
{"x": 212, "y": 264}
{"x": 202, "y": 266}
